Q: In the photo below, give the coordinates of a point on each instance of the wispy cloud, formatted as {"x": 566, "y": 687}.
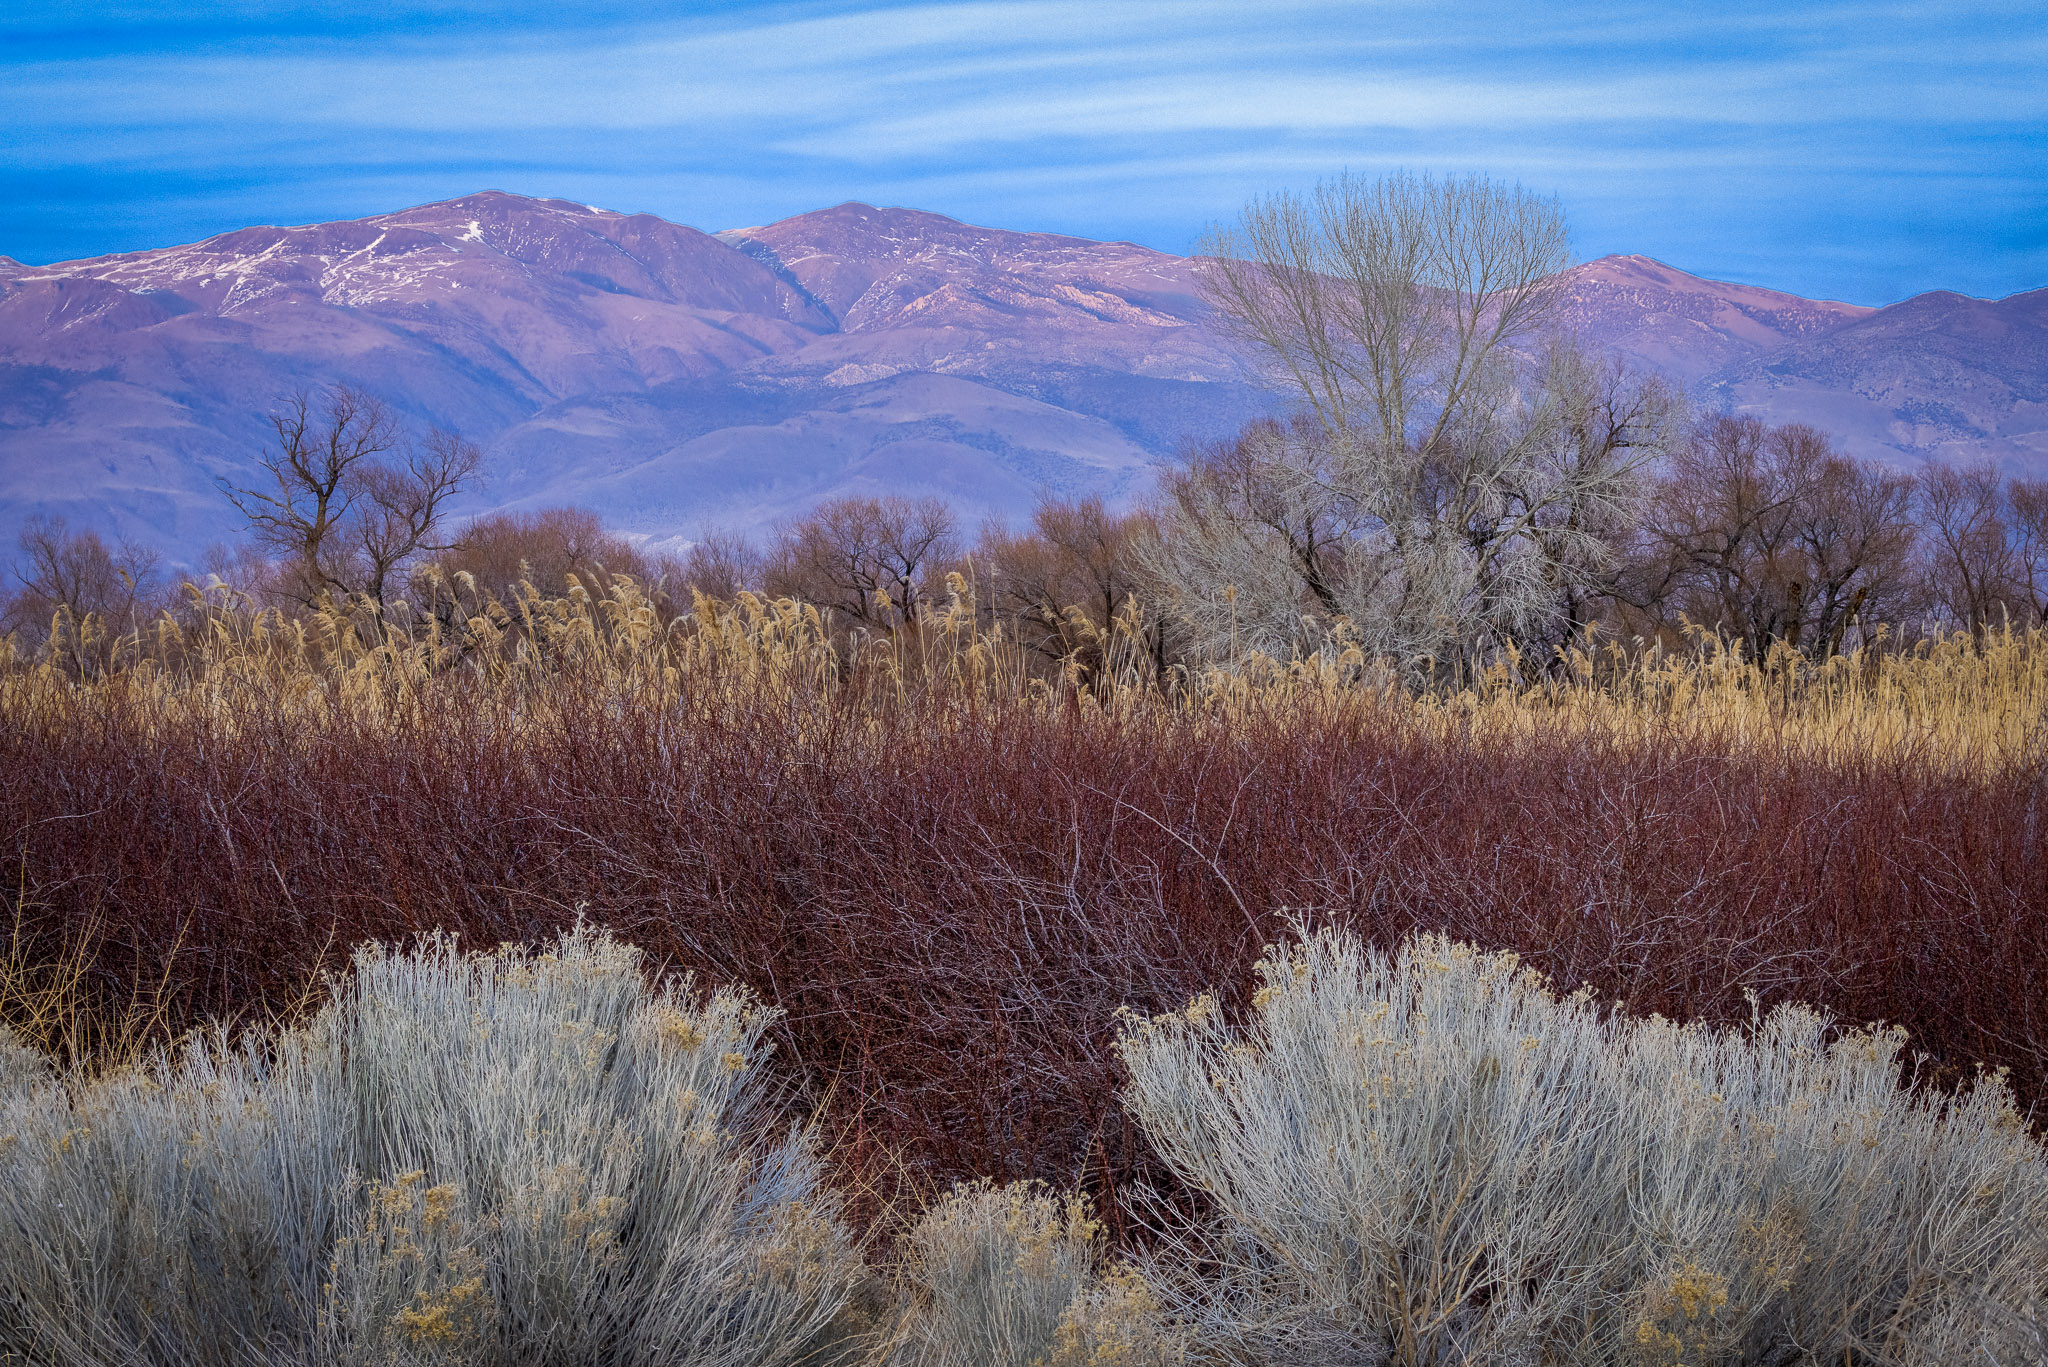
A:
{"x": 1856, "y": 149}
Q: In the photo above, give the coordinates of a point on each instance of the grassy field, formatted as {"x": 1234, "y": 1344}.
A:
{"x": 951, "y": 876}
{"x": 951, "y": 888}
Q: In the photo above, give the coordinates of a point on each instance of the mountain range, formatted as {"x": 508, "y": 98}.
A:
{"x": 674, "y": 380}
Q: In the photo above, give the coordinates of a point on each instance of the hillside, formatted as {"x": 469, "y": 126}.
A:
{"x": 1939, "y": 376}
{"x": 673, "y": 379}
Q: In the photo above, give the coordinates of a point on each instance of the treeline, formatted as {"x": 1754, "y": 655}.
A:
{"x": 1462, "y": 488}
{"x": 1764, "y": 536}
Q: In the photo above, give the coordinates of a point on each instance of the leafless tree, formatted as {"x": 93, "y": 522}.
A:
{"x": 1458, "y": 474}
{"x": 1857, "y": 537}
{"x": 874, "y": 562}
{"x": 543, "y": 548}
{"x": 76, "y": 574}
{"x": 345, "y": 501}
{"x": 1062, "y": 584}
{"x": 720, "y": 565}
{"x": 401, "y": 507}
{"x": 2027, "y": 503}
{"x": 1980, "y": 556}
{"x": 1770, "y": 535}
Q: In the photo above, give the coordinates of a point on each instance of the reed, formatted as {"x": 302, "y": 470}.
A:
{"x": 950, "y": 873}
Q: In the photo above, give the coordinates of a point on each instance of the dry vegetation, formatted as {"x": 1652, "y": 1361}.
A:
{"x": 950, "y": 874}
{"x": 1426, "y": 1157}
{"x": 945, "y": 878}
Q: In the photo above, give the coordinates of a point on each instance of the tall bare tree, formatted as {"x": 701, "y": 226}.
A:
{"x": 402, "y": 506}
{"x": 345, "y": 500}
{"x": 1458, "y": 475}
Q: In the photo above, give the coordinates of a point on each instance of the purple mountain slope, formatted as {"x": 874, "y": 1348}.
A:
{"x": 674, "y": 380}
{"x": 669, "y": 379}
{"x": 1939, "y": 376}
{"x": 1936, "y": 377}
{"x": 1686, "y": 327}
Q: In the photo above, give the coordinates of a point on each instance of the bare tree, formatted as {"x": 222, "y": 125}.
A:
{"x": 720, "y": 565}
{"x": 1062, "y": 584}
{"x": 1857, "y": 537}
{"x": 400, "y": 508}
{"x": 2027, "y": 503}
{"x": 1458, "y": 476}
{"x": 78, "y": 576}
{"x": 543, "y": 548}
{"x": 1977, "y": 557}
{"x": 1770, "y": 535}
{"x": 330, "y": 508}
{"x": 874, "y": 562}
{"x": 311, "y": 481}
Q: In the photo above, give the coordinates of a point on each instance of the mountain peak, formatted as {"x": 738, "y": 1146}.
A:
{"x": 1686, "y": 325}
{"x": 669, "y": 379}
{"x": 499, "y": 202}
{"x": 1626, "y": 262}
{"x": 888, "y": 266}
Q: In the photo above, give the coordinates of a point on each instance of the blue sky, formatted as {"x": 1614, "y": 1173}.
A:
{"x": 1857, "y": 151}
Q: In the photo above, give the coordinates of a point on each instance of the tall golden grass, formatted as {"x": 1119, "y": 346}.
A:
{"x": 950, "y": 866}
{"x": 1961, "y": 704}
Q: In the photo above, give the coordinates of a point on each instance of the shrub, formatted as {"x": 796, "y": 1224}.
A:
{"x": 1008, "y": 1277}
{"x": 21, "y": 1067}
{"x": 514, "y": 1157}
{"x": 995, "y": 1269}
{"x": 949, "y": 879}
{"x": 1429, "y": 1157}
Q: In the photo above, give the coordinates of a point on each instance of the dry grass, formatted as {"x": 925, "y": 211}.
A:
{"x": 950, "y": 875}
{"x": 1971, "y": 706}
{"x": 53, "y": 1002}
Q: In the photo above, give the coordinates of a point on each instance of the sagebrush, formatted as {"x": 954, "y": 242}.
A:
{"x": 517, "y": 1157}
{"x": 1429, "y": 1156}
{"x": 1424, "y": 1157}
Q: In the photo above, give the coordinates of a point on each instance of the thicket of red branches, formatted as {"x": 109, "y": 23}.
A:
{"x": 952, "y": 908}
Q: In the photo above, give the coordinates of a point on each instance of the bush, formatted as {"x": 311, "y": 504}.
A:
{"x": 506, "y": 1158}
{"x": 537, "y": 1158}
{"x": 997, "y": 1268}
{"x": 1009, "y": 1277}
{"x": 1429, "y": 1157}
{"x": 949, "y": 879}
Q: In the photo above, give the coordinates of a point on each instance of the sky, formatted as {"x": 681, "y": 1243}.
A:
{"x": 1856, "y": 151}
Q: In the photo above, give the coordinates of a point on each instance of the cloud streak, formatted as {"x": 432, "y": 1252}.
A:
{"x": 1857, "y": 150}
